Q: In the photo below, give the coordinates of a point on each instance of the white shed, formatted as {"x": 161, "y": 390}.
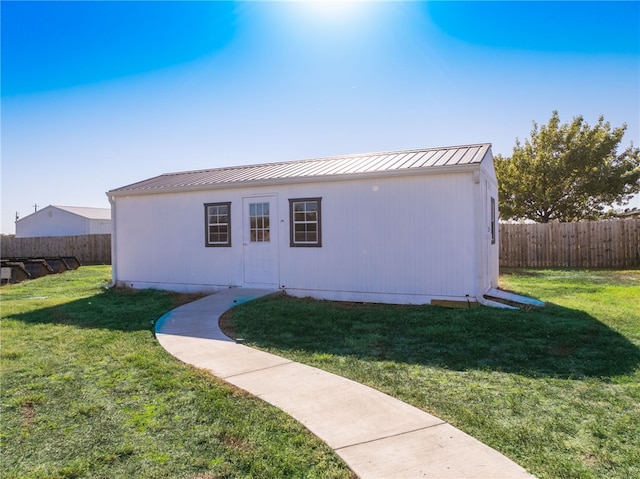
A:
{"x": 394, "y": 227}
{"x": 64, "y": 221}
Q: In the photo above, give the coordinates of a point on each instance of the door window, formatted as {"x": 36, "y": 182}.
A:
{"x": 259, "y": 224}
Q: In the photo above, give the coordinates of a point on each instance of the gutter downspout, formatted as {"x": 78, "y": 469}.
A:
{"x": 493, "y": 304}
{"x": 114, "y": 262}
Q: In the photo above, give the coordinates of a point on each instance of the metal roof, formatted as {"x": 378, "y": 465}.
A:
{"x": 430, "y": 159}
{"x": 87, "y": 212}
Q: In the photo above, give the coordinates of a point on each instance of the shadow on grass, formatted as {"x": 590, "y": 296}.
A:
{"x": 549, "y": 342}
{"x": 114, "y": 309}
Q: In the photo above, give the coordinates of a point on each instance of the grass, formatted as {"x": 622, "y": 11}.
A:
{"x": 556, "y": 389}
{"x": 87, "y": 392}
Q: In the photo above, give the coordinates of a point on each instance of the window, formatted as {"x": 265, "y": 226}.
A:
{"x": 259, "y": 224}
{"x": 305, "y": 222}
{"x": 493, "y": 220}
{"x": 217, "y": 218}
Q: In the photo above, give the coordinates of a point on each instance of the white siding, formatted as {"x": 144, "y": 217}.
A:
{"x": 64, "y": 221}
{"x": 51, "y": 221}
{"x": 98, "y": 227}
{"x": 398, "y": 236}
{"x": 488, "y": 252}
{"x": 161, "y": 241}
{"x": 390, "y": 239}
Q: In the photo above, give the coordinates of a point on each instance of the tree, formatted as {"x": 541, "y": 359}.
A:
{"x": 567, "y": 172}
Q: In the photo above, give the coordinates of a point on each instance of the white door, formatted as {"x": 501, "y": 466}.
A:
{"x": 260, "y": 242}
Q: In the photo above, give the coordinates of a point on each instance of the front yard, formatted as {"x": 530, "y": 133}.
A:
{"x": 556, "y": 389}
{"x": 88, "y": 392}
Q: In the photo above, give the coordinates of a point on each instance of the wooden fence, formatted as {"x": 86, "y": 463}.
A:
{"x": 89, "y": 249}
{"x": 584, "y": 244}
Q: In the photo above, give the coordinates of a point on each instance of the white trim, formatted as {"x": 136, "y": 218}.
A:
{"x": 373, "y": 297}
{"x": 176, "y": 287}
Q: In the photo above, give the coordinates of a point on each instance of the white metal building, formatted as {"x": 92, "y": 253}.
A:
{"x": 64, "y": 221}
{"x": 395, "y": 227}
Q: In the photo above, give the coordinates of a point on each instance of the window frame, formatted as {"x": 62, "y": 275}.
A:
{"x": 260, "y": 231}
{"x": 292, "y": 223}
{"x": 493, "y": 220}
{"x": 207, "y": 225}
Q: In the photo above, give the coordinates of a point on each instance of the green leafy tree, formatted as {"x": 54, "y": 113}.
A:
{"x": 567, "y": 172}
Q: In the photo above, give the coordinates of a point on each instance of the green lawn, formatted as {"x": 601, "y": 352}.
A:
{"x": 556, "y": 389}
{"x": 87, "y": 392}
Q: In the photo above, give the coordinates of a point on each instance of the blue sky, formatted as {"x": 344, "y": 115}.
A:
{"x": 99, "y": 95}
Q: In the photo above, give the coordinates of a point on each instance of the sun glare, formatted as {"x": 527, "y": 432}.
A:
{"x": 331, "y": 25}
{"x": 338, "y": 15}
{"x": 333, "y": 8}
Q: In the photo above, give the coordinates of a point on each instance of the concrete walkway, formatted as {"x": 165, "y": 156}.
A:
{"x": 376, "y": 435}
